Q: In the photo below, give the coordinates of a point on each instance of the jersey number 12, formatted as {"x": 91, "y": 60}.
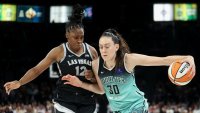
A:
{"x": 80, "y": 70}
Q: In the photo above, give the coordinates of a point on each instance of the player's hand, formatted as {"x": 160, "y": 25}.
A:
{"x": 190, "y": 60}
{"x": 89, "y": 75}
{"x": 9, "y": 86}
{"x": 72, "y": 80}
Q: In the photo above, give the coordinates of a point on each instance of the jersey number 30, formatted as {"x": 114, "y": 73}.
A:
{"x": 113, "y": 89}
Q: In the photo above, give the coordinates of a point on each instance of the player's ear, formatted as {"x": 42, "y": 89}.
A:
{"x": 117, "y": 47}
{"x": 66, "y": 35}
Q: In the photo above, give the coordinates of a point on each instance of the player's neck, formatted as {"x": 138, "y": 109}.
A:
{"x": 110, "y": 64}
{"x": 77, "y": 51}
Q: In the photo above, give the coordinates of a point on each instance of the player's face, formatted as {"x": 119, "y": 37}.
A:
{"x": 108, "y": 48}
{"x": 75, "y": 39}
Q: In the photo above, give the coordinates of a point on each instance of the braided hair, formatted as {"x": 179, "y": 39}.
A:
{"x": 75, "y": 20}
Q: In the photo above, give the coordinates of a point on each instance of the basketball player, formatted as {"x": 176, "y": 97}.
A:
{"x": 115, "y": 76}
{"x": 73, "y": 57}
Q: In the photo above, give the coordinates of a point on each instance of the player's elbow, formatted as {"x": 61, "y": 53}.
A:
{"x": 100, "y": 91}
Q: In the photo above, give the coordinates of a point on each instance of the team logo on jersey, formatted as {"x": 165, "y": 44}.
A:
{"x": 119, "y": 70}
{"x": 87, "y": 55}
{"x": 113, "y": 79}
{"x": 70, "y": 56}
{"x": 79, "y": 61}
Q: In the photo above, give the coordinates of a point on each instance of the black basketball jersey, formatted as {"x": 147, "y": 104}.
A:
{"x": 75, "y": 65}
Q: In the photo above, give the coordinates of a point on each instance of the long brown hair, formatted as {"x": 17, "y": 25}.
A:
{"x": 123, "y": 46}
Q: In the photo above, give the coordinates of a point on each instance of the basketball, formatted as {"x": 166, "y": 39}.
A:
{"x": 180, "y": 73}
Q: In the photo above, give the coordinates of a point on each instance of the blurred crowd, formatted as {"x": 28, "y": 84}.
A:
{"x": 37, "y": 98}
{"x": 47, "y": 107}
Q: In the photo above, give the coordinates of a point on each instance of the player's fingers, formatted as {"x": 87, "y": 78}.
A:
{"x": 86, "y": 75}
{"x": 66, "y": 77}
{"x": 87, "y": 72}
{"x": 6, "y": 84}
{"x": 192, "y": 70}
{"x": 8, "y": 90}
{"x": 7, "y": 87}
{"x": 67, "y": 83}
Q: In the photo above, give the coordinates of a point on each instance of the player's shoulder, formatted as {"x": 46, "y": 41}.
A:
{"x": 57, "y": 49}
{"x": 132, "y": 55}
{"x": 90, "y": 46}
{"x": 93, "y": 51}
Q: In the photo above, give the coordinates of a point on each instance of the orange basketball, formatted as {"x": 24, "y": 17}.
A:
{"x": 180, "y": 73}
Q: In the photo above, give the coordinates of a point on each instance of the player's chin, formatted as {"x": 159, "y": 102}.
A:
{"x": 105, "y": 58}
{"x": 79, "y": 45}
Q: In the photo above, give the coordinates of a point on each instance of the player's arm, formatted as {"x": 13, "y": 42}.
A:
{"x": 89, "y": 75}
{"x": 93, "y": 52}
{"x": 35, "y": 71}
{"x": 135, "y": 59}
{"x": 96, "y": 87}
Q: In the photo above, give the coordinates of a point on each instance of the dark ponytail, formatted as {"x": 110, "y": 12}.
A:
{"x": 76, "y": 18}
{"x": 123, "y": 46}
